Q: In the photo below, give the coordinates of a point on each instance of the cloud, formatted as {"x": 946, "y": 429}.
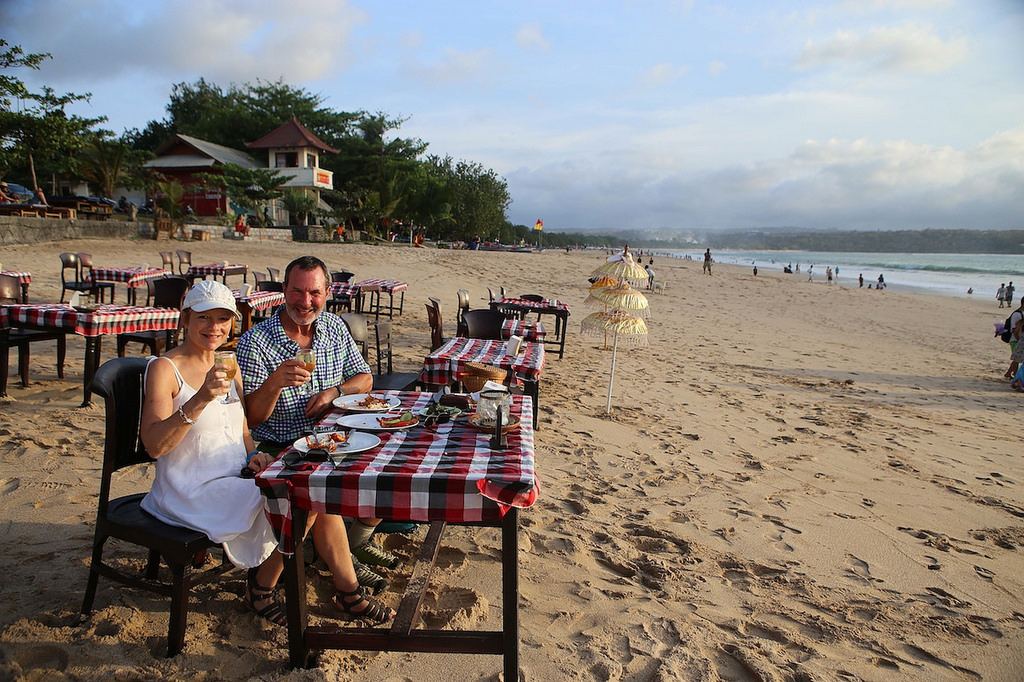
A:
{"x": 224, "y": 41}
{"x": 907, "y": 48}
{"x": 715, "y": 68}
{"x": 472, "y": 68}
{"x": 662, "y": 74}
{"x": 530, "y": 36}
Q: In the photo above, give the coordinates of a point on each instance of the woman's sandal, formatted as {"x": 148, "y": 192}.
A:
{"x": 373, "y": 610}
{"x": 274, "y": 611}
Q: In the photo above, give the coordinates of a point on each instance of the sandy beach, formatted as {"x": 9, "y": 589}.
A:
{"x": 796, "y": 482}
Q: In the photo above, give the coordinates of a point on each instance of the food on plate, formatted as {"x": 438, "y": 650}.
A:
{"x": 389, "y": 421}
{"x": 374, "y": 402}
{"x": 339, "y": 436}
{"x": 437, "y": 409}
{"x": 462, "y": 402}
{"x": 326, "y": 441}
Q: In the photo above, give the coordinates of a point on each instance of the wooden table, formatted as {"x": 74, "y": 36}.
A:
{"x": 447, "y": 364}
{"x": 222, "y": 270}
{"x": 106, "y": 320}
{"x": 443, "y": 475}
{"x": 518, "y": 307}
{"x": 133, "y": 278}
{"x": 376, "y": 287}
{"x": 24, "y": 279}
{"x": 255, "y": 300}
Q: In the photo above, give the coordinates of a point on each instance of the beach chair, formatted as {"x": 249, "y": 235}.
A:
{"x": 386, "y": 379}
{"x": 120, "y": 383}
{"x": 168, "y": 292}
{"x": 10, "y": 292}
{"x": 483, "y": 324}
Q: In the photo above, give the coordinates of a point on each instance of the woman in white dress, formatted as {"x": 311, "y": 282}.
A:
{"x": 201, "y": 446}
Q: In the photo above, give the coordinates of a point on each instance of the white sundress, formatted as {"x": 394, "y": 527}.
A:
{"x": 197, "y": 483}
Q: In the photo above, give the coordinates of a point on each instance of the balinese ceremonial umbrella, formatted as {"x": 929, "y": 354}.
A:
{"x": 624, "y": 308}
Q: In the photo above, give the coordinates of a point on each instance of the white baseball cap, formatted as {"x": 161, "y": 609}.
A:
{"x": 210, "y": 295}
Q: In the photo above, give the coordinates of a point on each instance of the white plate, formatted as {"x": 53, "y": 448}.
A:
{"x": 357, "y": 442}
{"x": 453, "y": 412}
{"x": 351, "y": 403}
{"x": 368, "y": 422}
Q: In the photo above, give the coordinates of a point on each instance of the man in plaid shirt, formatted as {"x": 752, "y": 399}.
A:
{"x": 277, "y": 411}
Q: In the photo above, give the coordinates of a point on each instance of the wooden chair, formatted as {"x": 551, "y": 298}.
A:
{"x": 386, "y": 379}
{"x": 184, "y": 261}
{"x": 268, "y": 285}
{"x": 120, "y": 383}
{"x": 483, "y": 324}
{"x": 274, "y": 274}
{"x": 436, "y": 329}
{"x": 10, "y": 292}
{"x": 168, "y": 292}
{"x": 99, "y": 289}
{"x": 463, "y": 295}
{"x": 359, "y": 329}
{"x": 260, "y": 276}
{"x": 167, "y": 258}
{"x": 72, "y": 282}
{"x": 490, "y": 294}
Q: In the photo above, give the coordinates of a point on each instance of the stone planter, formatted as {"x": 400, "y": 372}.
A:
{"x": 311, "y": 233}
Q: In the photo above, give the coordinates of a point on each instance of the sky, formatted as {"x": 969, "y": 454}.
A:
{"x": 678, "y": 115}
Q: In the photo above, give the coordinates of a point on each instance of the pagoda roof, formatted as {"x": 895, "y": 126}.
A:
{"x": 291, "y": 135}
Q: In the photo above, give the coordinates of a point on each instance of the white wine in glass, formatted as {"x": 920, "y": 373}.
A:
{"x": 308, "y": 358}
{"x": 226, "y": 361}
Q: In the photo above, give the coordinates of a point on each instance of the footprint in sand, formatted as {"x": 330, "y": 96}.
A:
{"x": 860, "y": 571}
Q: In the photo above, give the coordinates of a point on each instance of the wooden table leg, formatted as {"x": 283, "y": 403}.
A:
{"x": 5, "y": 335}
{"x": 510, "y": 593}
{"x": 92, "y": 363}
{"x": 24, "y": 293}
{"x": 295, "y": 593}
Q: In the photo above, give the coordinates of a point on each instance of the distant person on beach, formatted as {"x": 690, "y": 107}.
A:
{"x": 1016, "y": 346}
{"x": 40, "y": 198}
{"x": 755, "y": 271}
{"x": 707, "y": 261}
{"x": 650, "y": 277}
{"x": 798, "y": 267}
{"x": 837, "y": 272}
{"x": 1009, "y": 295}
{"x": 881, "y": 281}
{"x": 1001, "y": 294}
{"x": 810, "y": 273}
{"x": 860, "y": 280}
{"x": 828, "y": 274}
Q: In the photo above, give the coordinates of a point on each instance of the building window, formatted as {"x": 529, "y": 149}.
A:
{"x": 286, "y": 160}
{"x": 310, "y": 160}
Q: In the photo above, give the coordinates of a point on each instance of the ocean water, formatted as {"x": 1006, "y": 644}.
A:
{"x": 948, "y": 274}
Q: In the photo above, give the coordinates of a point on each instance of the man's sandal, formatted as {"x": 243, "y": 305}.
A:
{"x": 373, "y": 610}
{"x": 274, "y": 611}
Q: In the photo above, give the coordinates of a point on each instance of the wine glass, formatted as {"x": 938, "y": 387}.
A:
{"x": 308, "y": 358}
{"x": 226, "y": 361}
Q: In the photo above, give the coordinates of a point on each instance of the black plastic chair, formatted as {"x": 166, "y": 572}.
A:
{"x": 483, "y": 324}
{"x": 120, "y": 383}
{"x": 270, "y": 285}
{"x": 338, "y": 301}
{"x": 75, "y": 281}
{"x": 168, "y": 292}
{"x": 386, "y": 379}
{"x": 10, "y": 292}
{"x": 359, "y": 329}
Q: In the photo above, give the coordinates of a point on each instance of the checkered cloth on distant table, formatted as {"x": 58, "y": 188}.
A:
{"x": 22, "y": 277}
{"x": 526, "y": 329}
{"x": 108, "y": 319}
{"x": 446, "y": 363}
{"x": 133, "y": 277}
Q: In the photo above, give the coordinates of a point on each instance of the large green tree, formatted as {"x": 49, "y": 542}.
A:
{"x": 35, "y": 130}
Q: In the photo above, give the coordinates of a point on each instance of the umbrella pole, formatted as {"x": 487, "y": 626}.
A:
{"x": 611, "y": 377}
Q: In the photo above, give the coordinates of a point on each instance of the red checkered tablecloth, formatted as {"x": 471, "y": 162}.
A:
{"x": 447, "y": 362}
{"x": 446, "y": 473}
{"x": 108, "y": 319}
{"x": 259, "y": 300}
{"x": 548, "y": 305}
{"x": 22, "y": 277}
{"x": 133, "y": 277}
{"x": 214, "y": 269}
{"x": 344, "y": 288}
{"x": 388, "y": 286}
{"x": 526, "y": 329}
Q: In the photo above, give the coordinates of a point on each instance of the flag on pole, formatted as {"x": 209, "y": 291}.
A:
{"x": 539, "y": 226}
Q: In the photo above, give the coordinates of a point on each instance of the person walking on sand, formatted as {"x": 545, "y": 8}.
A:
{"x": 1001, "y": 294}
{"x": 828, "y": 274}
{"x": 1008, "y": 297}
{"x": 860, "y": 280}
{"x": 1016, "y": 342}
{"x": 707, "y": 261}
{"x": 810, "y": 273}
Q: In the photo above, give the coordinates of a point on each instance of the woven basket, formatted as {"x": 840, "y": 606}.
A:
{"x": 477, "y": 374}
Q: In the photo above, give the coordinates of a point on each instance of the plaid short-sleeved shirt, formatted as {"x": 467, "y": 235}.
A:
{"x": 263, "y": 348}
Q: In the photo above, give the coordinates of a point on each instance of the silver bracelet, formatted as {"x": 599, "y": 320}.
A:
{"x": 184, "y": 417}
